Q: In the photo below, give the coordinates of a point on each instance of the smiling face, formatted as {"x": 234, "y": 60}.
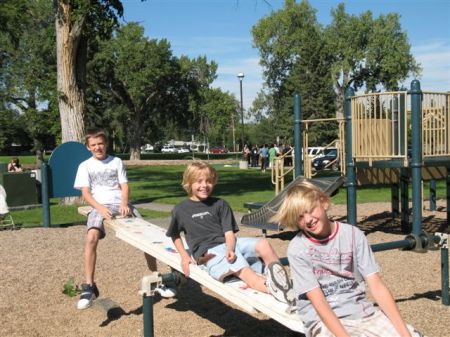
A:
{"x": 315, "y": 222}
{"x": 97, "y": 146}
{"x": 201, "y": 188}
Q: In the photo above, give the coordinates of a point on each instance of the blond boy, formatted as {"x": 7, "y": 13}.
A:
{"x": 210, "y": 227}
{"x": 330, "y": 263}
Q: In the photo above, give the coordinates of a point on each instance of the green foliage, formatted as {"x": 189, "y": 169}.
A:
{"x": 70, "y": 288}
{"x": 28, "y": 81}
{"x": 295, "y": 59}
{"x": 299, "y": 55}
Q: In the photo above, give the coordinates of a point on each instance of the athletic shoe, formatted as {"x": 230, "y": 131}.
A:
{"x": 88, "y": 294}
{"x": 278, "y": 283}
{"x": 165, "y": 291}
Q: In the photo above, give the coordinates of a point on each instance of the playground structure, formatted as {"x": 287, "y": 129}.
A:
{"x": 385, "y": 138}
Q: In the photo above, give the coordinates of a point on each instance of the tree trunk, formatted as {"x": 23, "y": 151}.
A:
{"x": 135, "y": 139}
{"x": 70, "y": 87}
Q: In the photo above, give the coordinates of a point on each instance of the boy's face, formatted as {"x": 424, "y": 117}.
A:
{"x": 201, "y": 188}
{"x": 316, "y": 222}
{"x": 97, "y": 146}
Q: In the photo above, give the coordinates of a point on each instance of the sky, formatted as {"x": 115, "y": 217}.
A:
{"x": 221, "y": 31}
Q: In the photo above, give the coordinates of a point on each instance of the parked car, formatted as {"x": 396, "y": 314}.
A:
{"x": 147, "y": 148}
{"x": 218, "y": 149}
{"x": 329, "y": 160}
{"x": 183, "y": 150}
{"x": 169, "y": 149}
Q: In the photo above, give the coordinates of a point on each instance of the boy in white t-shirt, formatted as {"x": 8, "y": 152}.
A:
{"x": 103, "y": 182}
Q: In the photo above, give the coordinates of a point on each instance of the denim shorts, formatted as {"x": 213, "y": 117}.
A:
{"x": 95, "y": 219}
{"x": 219, "y": 267}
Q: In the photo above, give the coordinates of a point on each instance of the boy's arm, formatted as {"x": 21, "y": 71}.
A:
{"x": 124, "y": 209}
{"x": 230, "y": 241}
{"x": 383, "y": 297}
{"x": 104, "y": 211}
{"x": 325, "y": 312}
{"x": 186, "y": 259}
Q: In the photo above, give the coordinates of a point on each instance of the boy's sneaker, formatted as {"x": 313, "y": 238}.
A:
{"x": 278, "y": 283}
{"x": 165, "y": 291}
{"x": 88, "y": 294}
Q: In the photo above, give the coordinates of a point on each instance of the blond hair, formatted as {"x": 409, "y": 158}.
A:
{"x": 194, "y": 170}
{"x": 95, "y": 133}
{"x": 299, "y": 199}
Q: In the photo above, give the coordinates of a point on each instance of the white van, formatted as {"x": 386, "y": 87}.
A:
{"x": 169, "y": 149}
{"x": 315, "y": 151}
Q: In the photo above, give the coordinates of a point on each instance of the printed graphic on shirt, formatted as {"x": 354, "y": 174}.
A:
{"x": 108, "y": 177}
{"x": 200, "y": 215}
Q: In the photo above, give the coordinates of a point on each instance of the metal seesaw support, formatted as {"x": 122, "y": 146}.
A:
{"x": 148, "y": 286}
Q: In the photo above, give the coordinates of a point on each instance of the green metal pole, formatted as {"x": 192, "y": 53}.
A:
{"x": 147, "y": 311}
{"x": 45, "y": 196}
{"x": 298, "y": 135}
{"x": 409, "y": 244}
{"x": 448, "y": 196}
{"x": 432, "y": 194}
{"x": 444, "y": 276}
{"x": 395, "y": 200}
{"x": 349, "y": 164}
{"x": 404, "y": 196}
{"x": 416, "y": 158}
{"x": 395, "y": 187}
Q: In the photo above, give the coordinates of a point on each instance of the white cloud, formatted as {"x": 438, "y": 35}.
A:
{"x": 434, "y": 58}
{"x": 252, "y": 82}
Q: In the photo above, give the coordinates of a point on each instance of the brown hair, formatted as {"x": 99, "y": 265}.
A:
{"x": 300, "y": 199}
{"x": 195, "y": 170}
{"x": 96, "y": 133}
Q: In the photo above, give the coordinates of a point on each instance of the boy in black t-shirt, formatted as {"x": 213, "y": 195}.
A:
{"x": 210, "y": 227}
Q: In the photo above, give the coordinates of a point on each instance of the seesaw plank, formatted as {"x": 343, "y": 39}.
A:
{"x": 152, "y": 240}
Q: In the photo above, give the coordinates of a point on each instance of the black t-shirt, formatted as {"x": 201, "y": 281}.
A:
{"x": 203, "y": 222}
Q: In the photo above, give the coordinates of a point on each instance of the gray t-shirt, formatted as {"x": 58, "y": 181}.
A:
{"x": 330, "y": 264}
{"x": 203, "y": 222}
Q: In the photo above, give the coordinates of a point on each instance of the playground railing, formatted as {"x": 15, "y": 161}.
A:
{"x": 381, "y": 125}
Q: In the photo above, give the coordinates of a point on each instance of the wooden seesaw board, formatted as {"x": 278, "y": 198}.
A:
{"x": 152, "y": 240}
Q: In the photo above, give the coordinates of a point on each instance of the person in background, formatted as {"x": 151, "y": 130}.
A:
{"x": 14, "y": 165}
{"x": 264, "y": 155}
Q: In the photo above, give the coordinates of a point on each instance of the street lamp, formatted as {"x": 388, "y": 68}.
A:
{"x": 241, "y": 77}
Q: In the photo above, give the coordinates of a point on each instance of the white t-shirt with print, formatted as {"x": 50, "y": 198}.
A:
{"x": 103, "y": 177}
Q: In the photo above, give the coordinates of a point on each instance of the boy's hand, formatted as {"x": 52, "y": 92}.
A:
{"x": 185, "y": 262}
{"x": 105, "y": 212}
{"x": 124, "y": 210}
{"x": 231, "y": 256}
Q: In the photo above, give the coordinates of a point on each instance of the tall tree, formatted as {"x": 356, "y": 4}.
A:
{"x": 321, "y": 63}
{"x": 368, "y": 52}
{"x": 76, "y": 22}
{"x": 144, "y": 78}
{"x": 28, "y": 74}
{"x": 295, "y": 58}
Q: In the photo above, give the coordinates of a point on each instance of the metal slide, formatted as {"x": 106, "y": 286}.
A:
{"x": 260, "y": 217}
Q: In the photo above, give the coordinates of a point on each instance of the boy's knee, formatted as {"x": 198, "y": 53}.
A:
{"x": 263, "y": 245}
{"x": 93, "y": 236}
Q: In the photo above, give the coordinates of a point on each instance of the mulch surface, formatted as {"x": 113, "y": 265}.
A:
{"x": 35, "y": 264}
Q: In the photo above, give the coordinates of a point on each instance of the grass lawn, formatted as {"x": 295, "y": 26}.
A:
{"x": 162, "y": 184}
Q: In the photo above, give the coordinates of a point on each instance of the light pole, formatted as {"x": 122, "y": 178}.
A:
{"x": 241, "y": 77}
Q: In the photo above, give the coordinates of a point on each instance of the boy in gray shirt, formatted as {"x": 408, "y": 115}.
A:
{"x": 330, "y": 264}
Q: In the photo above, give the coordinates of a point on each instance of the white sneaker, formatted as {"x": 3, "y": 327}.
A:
{"x": 88, "y": 294}
{"x": 165, "y": 291}
{"x": 278, "y": 283}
